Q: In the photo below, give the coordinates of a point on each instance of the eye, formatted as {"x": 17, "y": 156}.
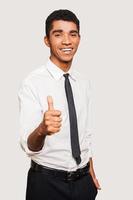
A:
{"x": 74, "y": 34}
{"x": 57, "y": 35}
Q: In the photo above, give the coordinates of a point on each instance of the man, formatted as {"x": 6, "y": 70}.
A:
{"x": 54, "y": 119}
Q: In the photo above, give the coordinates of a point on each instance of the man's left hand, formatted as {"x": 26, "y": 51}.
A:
{"x": 95, "y": 180}
{"x": 92, "y": 173}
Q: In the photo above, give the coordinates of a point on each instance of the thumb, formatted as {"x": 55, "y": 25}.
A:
{"x": 50, "y": 103}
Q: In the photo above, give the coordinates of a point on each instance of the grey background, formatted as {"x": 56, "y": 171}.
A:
{"x": 104, "y": 56}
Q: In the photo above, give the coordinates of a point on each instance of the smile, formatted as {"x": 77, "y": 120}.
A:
{"x": 66, "y": 50}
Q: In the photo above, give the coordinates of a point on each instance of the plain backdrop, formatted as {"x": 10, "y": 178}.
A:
{"x": 105, "y": 56}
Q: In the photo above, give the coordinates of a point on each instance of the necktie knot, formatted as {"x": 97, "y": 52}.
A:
{"x": 66, "y": 75}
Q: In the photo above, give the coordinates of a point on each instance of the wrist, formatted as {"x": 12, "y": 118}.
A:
{"x": 41, "y": 131}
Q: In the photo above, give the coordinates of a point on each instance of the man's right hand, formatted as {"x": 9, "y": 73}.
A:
{"x": 51, "y": 121}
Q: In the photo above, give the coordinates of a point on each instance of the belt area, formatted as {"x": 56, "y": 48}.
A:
{"x": 64, "y": 175}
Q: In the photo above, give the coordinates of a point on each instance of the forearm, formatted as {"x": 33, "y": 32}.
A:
{"x": 36, "y": 139}
{"x": 91, "y": 169}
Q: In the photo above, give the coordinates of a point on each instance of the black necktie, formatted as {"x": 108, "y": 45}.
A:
{"x": 73, "y": 121}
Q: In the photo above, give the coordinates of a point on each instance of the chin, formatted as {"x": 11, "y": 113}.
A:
{"x": 66, "y": 60}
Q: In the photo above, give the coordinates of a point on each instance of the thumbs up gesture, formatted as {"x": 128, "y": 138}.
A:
{"x": 52, "y": 119}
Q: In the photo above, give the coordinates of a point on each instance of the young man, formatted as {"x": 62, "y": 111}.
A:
{"x": 54, "y": 119}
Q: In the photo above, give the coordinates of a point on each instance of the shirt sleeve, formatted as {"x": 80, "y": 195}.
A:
{"x": 30, "y": 114}
{"x": 89, "y": 129}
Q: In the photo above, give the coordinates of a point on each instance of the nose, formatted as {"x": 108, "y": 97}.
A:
{"x": 66, "y": 40}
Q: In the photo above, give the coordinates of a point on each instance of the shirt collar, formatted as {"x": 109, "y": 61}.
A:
{"x": 57, "y": 73}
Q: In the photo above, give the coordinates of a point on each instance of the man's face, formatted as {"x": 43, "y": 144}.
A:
{"x": 63, "y": 41}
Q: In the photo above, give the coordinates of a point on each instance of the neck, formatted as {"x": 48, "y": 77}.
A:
{"x": 65, "y": 66}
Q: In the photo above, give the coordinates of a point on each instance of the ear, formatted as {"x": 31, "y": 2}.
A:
{"x": 46, "y": 41}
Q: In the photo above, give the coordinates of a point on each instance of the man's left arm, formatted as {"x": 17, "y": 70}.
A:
{"x": 89, "y": 130}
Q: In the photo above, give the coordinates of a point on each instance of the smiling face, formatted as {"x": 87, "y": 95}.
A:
{"x": 63, "y": 41}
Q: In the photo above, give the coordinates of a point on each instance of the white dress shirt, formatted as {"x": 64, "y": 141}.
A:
{"x": 42, "y": 82}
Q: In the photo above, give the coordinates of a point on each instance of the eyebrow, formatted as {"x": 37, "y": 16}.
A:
{"x": 60, "y": 31}
{"x": 57, "y": 31}
{"x": 74, "y": 31}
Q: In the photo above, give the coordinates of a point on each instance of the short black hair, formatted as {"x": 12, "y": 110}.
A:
{"x": 62, "y": 14}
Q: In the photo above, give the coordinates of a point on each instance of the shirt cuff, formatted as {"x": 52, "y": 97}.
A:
{"x": 24, "y": 146}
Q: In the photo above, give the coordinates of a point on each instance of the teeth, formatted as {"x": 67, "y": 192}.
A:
{"x": 68, "y": 49}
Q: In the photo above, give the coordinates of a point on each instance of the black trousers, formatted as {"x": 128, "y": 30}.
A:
{"x": 41, "y": 186}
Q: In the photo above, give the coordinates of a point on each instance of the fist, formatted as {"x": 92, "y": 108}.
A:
{"x": 52, "y": 119}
